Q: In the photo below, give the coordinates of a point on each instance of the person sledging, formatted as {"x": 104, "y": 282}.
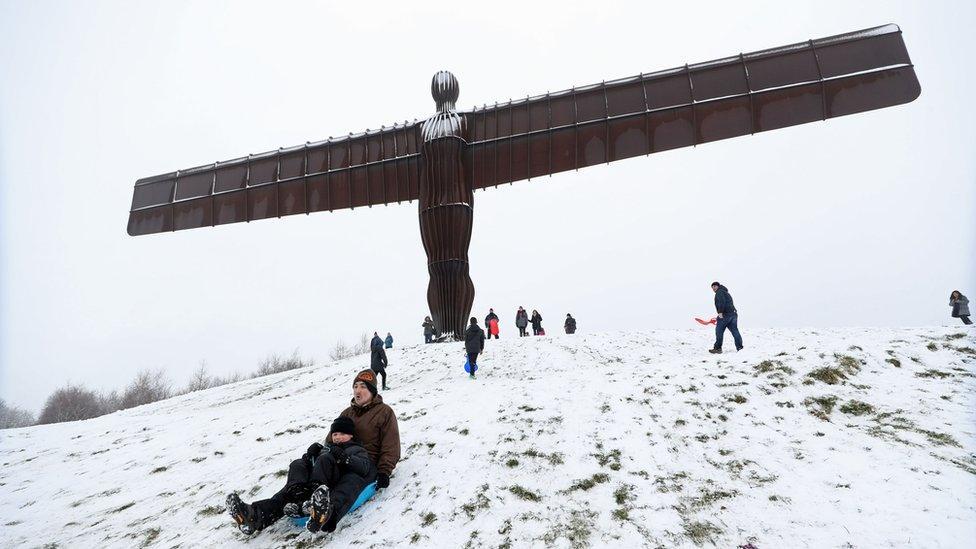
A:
{"x": 491, "y": 324}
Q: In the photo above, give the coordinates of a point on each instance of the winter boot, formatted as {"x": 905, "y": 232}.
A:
{"x": 293, "y": 510}
{"x": 247, "y": 517}
{"x": 715, "y": 351}
{"x": 321, "y": 509}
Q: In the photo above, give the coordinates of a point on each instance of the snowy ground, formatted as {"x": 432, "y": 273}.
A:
{"x": 624, "y": 440}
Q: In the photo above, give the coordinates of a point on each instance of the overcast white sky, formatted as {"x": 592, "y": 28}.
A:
{"x": 866, "y": 220}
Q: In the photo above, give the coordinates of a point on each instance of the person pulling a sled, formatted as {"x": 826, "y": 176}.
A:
{"x": 474, "y": 344}
{"x": 491, "y": 324}
{"x": 537, "y": 323}
{"x": 728, "y": 317}
{"x": 324, "y": 483}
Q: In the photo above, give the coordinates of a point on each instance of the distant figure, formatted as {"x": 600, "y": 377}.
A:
{"x": 727, "y": 318}
{"x": 491, "y": 323}
{"x": 960, "y": 306}
{"x": 570, "y": 324}
{"x": 474, "y": 344}
{"x": 428, "y": 330}
{"x": 389, "y": 340}
{"x": 378, "y": 363}
{"x": 376, "y": 341}
{"x": 537, "y": 323}
{"x": 521, "y": 321}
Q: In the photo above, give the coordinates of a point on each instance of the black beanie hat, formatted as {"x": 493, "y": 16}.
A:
{"x": 369, "y": 378}
{"x": 343, "y": 424}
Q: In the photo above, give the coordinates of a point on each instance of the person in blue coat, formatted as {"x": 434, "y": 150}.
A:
{"x": 389, "y": 340}
{"x": 728, "y": 317}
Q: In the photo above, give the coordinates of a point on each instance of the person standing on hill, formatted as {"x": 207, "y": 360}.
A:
{"x": 389, "y": 340}
{"x": 570, "y": 324}
{"x": 960, "y": 306}
{"x": 428, "y": 330}
{"x": 376, "y": 341}
{"x": 474, "y": 344}
{"x": 521, "y": 321}
{"x": 491, "y": 324}
{"x": 378, "y": 363}
{"x": 537, "y": 323}
{"x": 728, "y": 317}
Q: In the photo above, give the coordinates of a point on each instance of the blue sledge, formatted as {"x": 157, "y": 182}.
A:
{"x": 467, "y": 367}
{"x": 368, "y": 492}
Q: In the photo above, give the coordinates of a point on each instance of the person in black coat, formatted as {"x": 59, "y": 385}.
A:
{"x": 331, "y": 474}
{"x": 474, "y": 343}
{"x": 570, "y": 324}
{"x": 378, "y": 363}
{"x": 536, "y": 321}
{"x": 428, "y": 330}
{"x": 728, "y": 317}
{"x": 376, "y": 341}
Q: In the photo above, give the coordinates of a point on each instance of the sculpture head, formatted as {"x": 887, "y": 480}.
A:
{"x": 445, "y": 90}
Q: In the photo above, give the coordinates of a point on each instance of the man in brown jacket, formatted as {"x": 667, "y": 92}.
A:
{"x": 376, "y": 426}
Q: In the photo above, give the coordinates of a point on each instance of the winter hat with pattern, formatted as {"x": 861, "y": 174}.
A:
{"x": 343, "y": 424}
{"x": 369, "y": 378}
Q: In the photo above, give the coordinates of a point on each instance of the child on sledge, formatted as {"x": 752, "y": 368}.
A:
{"x": 324, "y": 483}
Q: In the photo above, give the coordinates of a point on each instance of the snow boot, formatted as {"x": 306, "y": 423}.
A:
{"x": 715, "y": 351}
{"x": 247, "y": 517}
{"x": 294, "y": 510}
{"x": 321, "y": 509}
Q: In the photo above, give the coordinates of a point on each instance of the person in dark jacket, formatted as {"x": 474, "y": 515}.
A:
{"x": 491, "y": 328}
{"x": 521, "y": 321}
{"x": 428, "y": 330}
{"x": 389, "y": 340}
{"x": 570, "y": 324}
{"x": 728, "y": 317}
{"x": 960, "y": 306}
{"x": 376, "y": 341}
{"x": 378, "y": 363}
{"x": 474, "y": 343}
{"x": 536, "y": 322}
{"x": 325, "y": 482}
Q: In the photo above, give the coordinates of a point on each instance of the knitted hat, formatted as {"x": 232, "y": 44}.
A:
{"x": 369, "y": 378}
{"x": 343, "y": 424}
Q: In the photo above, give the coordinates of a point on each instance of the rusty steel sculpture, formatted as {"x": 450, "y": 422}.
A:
{"x": 442, "y": 160}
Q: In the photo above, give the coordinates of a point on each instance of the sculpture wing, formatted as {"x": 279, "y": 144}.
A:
{"x": 371, "y": 168}
{"x": 690, "y": 105}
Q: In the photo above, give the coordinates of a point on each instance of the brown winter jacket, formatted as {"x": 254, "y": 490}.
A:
{"x": 376, "y": 428}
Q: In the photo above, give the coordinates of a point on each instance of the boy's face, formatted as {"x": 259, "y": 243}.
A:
{"x": 340, "y": 438}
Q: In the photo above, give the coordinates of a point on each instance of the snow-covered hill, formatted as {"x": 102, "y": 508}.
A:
{"x": 809, "y": 438}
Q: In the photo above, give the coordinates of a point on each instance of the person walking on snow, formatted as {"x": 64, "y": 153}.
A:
{"x": 474, "y": 344}
{"x": 728, "y": 317}
{"x": 376, "y": 341}
{"x": 378, "y": 363}
{"x": 521, "y": 321}
{"x": 389, "y": 340}
{"x": 536, "y": 323}
{"x": 491, "y": 323}
{"x": 570, "y": 324}
{"x": 324, "y": 483}
{"x": 428, "y": 330}
{"x": 960, "y": 306}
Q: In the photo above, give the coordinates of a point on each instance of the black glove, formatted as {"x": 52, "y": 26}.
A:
{"x": 337, "y": 453}
{"x": 382, "y": 480}
{"x": 313, "y": 451}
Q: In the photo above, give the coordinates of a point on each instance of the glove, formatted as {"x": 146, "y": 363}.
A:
{"x": 313, "y": 451}
{"x": 382, "y": 480}
{"x": 338, "y": 454}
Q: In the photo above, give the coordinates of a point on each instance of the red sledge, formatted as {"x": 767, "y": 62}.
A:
{"x": 705, "y": 322}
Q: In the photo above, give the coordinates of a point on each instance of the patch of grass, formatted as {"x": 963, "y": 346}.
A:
{"x": 623, "y": 494}
{"x": 587, "y": 483}
{"x": 768, "y": 366}
{"x": 932, "y": 346}
{"x": 930, "y": 373}
{"x": 609, "y": 459}
{"x": 151, "y": 535}
{"x": 820, "y": 406}
{"x": 701, "y": 531}
{"x": 428, "y": 519}
{"x": 856, "y": 408}
{"x": 524, "y": 493}
{"x": 621, "y": 513}
{"x": 738, "y": 399}
{"x": 939, "y": 439}
{"x": 526, "y": 408}
{"x": 894, "y": 362}
{"x": 707, "y": 498}
{"x": 157, "y": 470}
{"x": 281, "y": 473}
{"x": 670, "y": 483}
{"x": 849, "y": 364}
{"x": 415, "y": 537}
{"x": 966, "y": 350}
{"x": 463, "y": 432}
{"x": 577, "y": 531}
{"x": 512, "y": 463}
{"x": 680, "y": 422}
{"x": 210, "y": 510}
{"x": 122, "y": 508}
{"x": 554, "y": 458}
{"x": 828, "y": 375}
{"x": 479, "y": 502}
{"x": 959, "y": 335}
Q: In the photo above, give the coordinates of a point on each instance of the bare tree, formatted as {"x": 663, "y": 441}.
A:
{"x": 363, "y": 346}
{"x": 201, "y": 379}
{"x": 70, "y": 403}
{"x": 148, "y": 386}
{"x": 275, "y": 364}
{"x": 340, "y": 351}
{"x": 12, "y": 417}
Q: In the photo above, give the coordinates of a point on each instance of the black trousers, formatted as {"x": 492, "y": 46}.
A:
{"x": 522, "y": 331}
{"x": 965, "y": 319}
{"x": 473, "y": 361}
{"x": 381, "y": 373}
{"x": 303, "y": 479}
